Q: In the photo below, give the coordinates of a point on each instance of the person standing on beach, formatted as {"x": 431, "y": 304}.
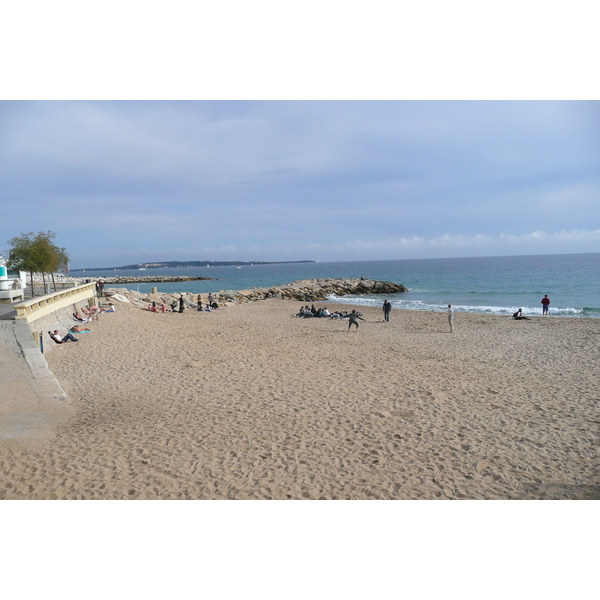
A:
{"x": 180, "y": 304}
{"x": 387, "y": 307}
{"x": 545, "y": 305}
{"x": 352, "y": 319}
{"x": 210, "y": 299}
{"x": 451, "y": 318}
{"x": 99, "y": 288}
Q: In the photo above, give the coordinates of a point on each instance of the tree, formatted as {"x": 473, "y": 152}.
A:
{"x": 37, "y": 253}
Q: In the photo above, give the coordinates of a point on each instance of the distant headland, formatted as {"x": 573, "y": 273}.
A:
{"x": 180, "y": 264}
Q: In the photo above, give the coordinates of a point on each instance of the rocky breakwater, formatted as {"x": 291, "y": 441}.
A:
{"x": 152, "y": 279}
{"x": 307, "y": 290}
{"x": 312, "y": 290}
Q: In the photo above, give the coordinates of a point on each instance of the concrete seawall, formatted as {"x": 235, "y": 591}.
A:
{"x": 32, "y": 401}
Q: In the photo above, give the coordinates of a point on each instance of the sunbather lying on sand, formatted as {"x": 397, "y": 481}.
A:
{"x": 84, "y": 319}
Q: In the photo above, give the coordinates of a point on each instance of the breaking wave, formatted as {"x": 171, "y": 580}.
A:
{"x": 484, "y": 310}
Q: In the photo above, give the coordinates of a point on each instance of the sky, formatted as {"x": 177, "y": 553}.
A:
{"x": 123, "y": 182}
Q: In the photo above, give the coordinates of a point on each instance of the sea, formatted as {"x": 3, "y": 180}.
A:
{"x": 486, "y": 285}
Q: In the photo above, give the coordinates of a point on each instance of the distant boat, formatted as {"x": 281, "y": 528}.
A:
{"x": 207, "y": 265}
{"x": 142, "y": 269}
{"x": 238, "y": 267}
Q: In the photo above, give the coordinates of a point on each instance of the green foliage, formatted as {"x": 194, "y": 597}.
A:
{"x": 36, "y": 253}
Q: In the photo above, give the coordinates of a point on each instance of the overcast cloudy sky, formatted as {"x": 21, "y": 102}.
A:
{"x": 123, "y": 182}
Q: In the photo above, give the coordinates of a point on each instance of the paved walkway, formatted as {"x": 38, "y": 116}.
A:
{"x": 31, "y": 399}
{"x": 7, "y": 312}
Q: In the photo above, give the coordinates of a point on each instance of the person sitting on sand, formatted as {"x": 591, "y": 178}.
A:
{"x": 111, "y": 308}
{"x": 518, "y": 316}
{"x": 352, "y": 319}
{"x": 59, "y": 339}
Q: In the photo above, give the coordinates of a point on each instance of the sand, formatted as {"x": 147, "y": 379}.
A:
{"x": 248, "y": 402}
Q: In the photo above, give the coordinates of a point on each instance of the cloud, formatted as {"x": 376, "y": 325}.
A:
{"x": 462, "y": 245}
{"x": 276, "y": 180}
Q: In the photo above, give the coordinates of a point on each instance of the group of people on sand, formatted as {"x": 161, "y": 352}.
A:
{"x": 209, "y": 306}
{"x": 154, "y": 308}
{"x": 178, "y": 306}
{"x": 308, "y": 312}
{"x": 518, "y": 316}
{"x": 82, "y": 316}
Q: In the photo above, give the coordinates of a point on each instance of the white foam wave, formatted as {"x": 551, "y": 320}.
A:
{"x": 436, "y": 307}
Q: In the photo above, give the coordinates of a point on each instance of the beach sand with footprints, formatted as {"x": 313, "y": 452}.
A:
{"x": 249, "y": 402}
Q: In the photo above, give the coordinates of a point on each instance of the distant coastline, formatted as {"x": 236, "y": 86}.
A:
{"x": 179, "y": 264}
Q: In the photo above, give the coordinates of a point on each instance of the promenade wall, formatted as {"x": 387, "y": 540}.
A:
{"x": 31, "y": 398}
{"x": 53, "y": 311}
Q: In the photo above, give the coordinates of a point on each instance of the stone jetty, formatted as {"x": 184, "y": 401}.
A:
{"x": 307, "y": 290}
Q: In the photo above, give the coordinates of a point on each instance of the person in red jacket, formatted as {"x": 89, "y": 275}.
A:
{"x": 545, "y": 305}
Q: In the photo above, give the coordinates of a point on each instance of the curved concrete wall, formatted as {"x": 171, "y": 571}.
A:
{"x": 40, "y": 306}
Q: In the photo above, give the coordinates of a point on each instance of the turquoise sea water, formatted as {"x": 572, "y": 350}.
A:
{"x": 493, "y": 285}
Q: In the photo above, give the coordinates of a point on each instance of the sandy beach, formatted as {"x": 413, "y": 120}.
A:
{"x": 249, "y": 402}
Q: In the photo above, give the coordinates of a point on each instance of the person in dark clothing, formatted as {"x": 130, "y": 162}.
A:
{"x": 387, "y": 307}
{"x": 545, "y": 305}
{"x": 518, "y": 316}
{"x": 181, "y": 304}
{"x": 352, "y": 319}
